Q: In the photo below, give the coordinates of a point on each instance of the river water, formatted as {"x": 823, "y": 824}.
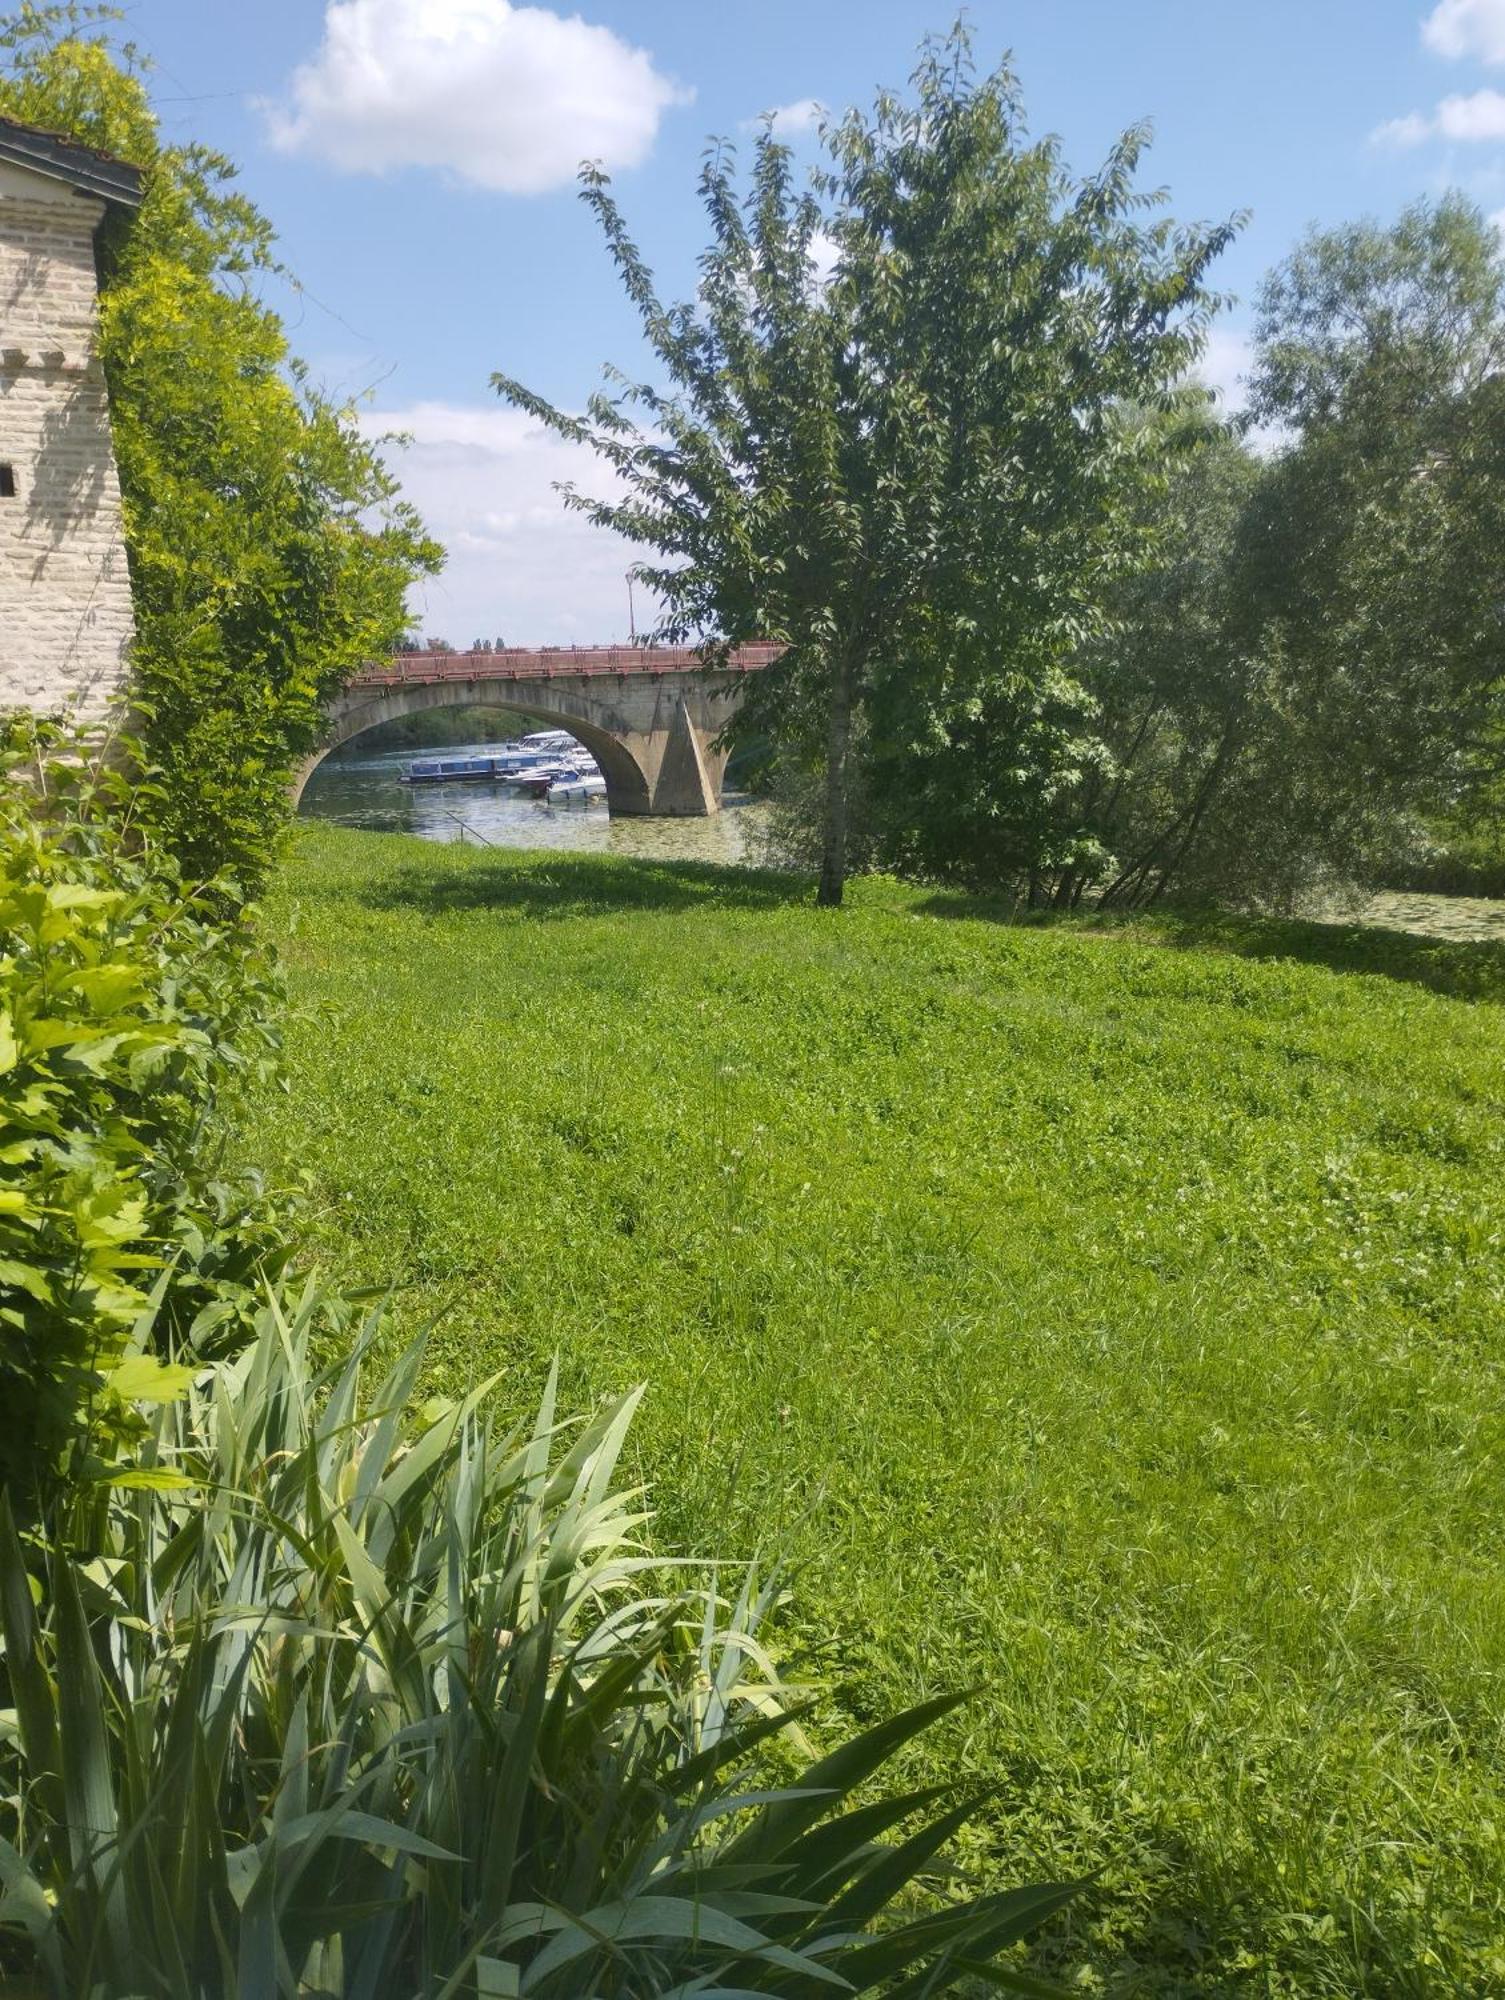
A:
{"x": 367, "y": 791}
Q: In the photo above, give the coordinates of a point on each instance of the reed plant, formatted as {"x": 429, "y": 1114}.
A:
{"x": 332, "y": 1695}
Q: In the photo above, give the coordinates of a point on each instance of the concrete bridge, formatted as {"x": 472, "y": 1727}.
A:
{"x": 650, "y": 717}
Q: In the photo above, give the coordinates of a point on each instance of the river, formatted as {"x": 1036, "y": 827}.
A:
{"x": 367, "y": 791}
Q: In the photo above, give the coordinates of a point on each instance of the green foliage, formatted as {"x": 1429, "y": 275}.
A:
{"x": 1376, "y": 554}
{"x": 131, "y": 1007}
{"x": 1456, "y": 854}
{"x": 1103, "y": 1315}
{"x": 1179, "y": 700}
{"x": 1309, "y": 673}
{"x": 434, "y": 728}
{"x": 269, "y": 553}
{"x": 913, "y": 475}
{"x": 344, "y": 1705}
{"x": 1216, "y": 784}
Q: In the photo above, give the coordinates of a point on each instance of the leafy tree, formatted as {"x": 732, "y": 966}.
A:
{"x": 1175, "y": 688}
{"x": 269, "y": 553}
{"x": 1211, "y": 785}
{"x": 912, "y": 474}
{"x": 1315, "y": 659}
{"x": 1375, "y": 558}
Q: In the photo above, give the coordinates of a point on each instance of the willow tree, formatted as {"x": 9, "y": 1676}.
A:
{"x": 1376, "y": 559}
{"x": 884, "y": 432}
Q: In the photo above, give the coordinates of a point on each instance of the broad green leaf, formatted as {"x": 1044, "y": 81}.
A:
{"x": 142, "y": 1378}
{"x": 148, "y": 1479}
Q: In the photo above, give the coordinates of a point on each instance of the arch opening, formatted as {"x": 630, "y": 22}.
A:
{"x": 627, "y": 784}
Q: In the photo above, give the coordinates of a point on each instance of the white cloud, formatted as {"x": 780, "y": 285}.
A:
{"x": 789, "y": 120}
{"x": 825, "y": 252}
{"x": 1225, "y": 363}
{"x": 1467, "y": 120}
{"x": 1411, "y": 130}
{"x": 507, "y": 97}
{"x": 1478, "y": 116}
{"x": 1467, "y": 28}
{"x": 520, "y": 565}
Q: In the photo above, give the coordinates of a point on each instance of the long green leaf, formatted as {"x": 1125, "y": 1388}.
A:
{"x": 85, "y": 1754}
{"x": 839, "y": 1772}
{"x": 32, "y": 1688}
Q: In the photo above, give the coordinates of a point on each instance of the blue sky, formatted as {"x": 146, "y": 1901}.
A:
{"x": 417, "y": 158}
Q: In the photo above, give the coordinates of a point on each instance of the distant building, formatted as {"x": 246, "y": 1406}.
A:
{"x": 65, "y": 597}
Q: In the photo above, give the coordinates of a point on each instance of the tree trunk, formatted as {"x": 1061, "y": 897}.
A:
{"x": 1205, "y": 794}
{"x": 833, "y": 860}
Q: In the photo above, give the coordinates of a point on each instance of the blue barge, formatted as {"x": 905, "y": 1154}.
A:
{"x": 449, "y": 770}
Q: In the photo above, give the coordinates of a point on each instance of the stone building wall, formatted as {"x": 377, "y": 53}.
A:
{"x": 65, "y": 602}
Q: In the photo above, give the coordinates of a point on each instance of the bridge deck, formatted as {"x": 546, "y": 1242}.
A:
{"x": 523, "y": 663}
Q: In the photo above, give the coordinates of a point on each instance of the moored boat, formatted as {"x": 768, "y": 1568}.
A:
{"x": 576, "y": 788}
{"x": 448, "y": 770}
{"x": 507, "y": 760}
{"x": 535, "y": 783}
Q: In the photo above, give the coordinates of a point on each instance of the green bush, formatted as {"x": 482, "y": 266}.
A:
{"x": 342, "y": 1706}
{"x": 130, "y": 1004}
{"x": 1453, "y": 857}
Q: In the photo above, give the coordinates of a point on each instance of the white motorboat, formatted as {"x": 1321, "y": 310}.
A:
{"x": 534, "y": 783}
{"x": 576, "y": 788}
{"x": 536, "y": 780}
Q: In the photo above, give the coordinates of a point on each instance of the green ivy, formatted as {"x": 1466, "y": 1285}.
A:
{"x": 270, "y": 553}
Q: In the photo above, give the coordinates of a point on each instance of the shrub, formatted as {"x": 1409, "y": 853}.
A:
{"x": 130, "y": 1004}
{"x": 340, "y": 1708}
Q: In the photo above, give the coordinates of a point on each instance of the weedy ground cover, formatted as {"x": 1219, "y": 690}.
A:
{"x": 1108, "y": 1317}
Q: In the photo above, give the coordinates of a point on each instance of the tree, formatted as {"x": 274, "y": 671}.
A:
{"x": 1376, "y": 556}
{"x": 1177, "y": 695}
{"x": 269, "y": 553}
{"x": 1315, "y": 660}
{"x": 1211, "y": 787}
{"x": 912, "y": 473}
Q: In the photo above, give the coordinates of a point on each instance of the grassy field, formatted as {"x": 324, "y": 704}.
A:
{"x": 1110, "y": 1319}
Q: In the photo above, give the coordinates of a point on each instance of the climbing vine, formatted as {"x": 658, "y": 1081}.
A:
{"x": 270, "y": 552}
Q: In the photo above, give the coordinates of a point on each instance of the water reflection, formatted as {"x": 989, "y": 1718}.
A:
{"x": 367, "y": 791}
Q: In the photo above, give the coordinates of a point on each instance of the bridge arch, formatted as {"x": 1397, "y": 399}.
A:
{"x": 628, "y": 788}
{"x": 652, "y": 717}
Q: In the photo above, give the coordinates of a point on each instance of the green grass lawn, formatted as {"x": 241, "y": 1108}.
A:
{"x": 1108, "y": 1318}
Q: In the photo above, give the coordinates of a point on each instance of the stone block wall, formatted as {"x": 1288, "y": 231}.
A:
{"x": 65, "y": 601}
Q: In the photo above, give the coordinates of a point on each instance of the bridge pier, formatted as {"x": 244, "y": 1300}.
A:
{"x": 651, "y": 719}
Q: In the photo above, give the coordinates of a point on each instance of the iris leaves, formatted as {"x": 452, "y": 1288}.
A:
{"x": 372, "y": 1709}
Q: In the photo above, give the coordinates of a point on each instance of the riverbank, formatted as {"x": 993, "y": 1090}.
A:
{"x": 364, "y": 789}
{"x": 1109, "y": 1319}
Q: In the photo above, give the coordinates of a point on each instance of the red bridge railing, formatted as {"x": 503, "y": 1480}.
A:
{"x": 526, "y": 663}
